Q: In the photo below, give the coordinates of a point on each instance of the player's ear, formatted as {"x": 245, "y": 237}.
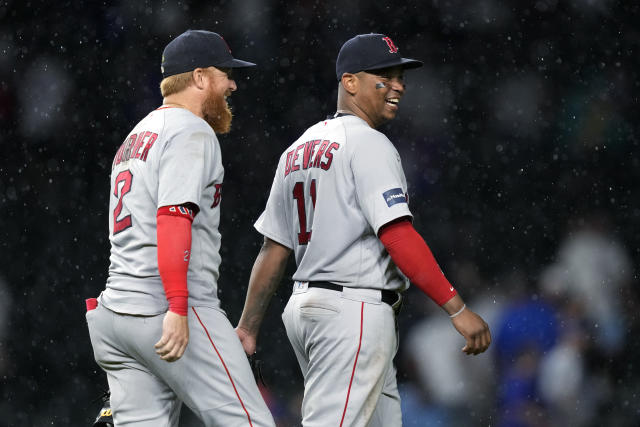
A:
{"x": 350, "y": 83}
{"x": 199, "y": 77}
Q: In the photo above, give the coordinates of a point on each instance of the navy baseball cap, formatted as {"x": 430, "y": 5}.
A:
{"x": 198, "y": 49}
{"x": 368, "y": 52}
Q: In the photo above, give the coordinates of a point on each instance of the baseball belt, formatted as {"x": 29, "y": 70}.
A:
{"x": 389, "y": 297}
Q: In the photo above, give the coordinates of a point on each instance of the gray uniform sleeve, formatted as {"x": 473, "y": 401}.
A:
{"x": 273, "y": 222}
{"x": 380, "y": 183}
{"x": 182, "y": 168}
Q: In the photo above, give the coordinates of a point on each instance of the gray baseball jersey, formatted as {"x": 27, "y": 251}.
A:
{"x": 171, "y": 157}
{"x": 337, "y": 185}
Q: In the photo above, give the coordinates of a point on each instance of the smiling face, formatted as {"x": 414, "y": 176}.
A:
{"x": 215, "y": 109}
{"x": 378, "y": 94}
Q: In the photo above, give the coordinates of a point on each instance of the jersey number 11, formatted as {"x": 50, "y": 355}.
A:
{"x": 298, "y": 194}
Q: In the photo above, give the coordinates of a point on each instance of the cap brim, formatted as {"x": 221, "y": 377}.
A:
{"x": 411, "y": 63}
{"x": 406, "y": 63}
{"x": 235, "y": 63}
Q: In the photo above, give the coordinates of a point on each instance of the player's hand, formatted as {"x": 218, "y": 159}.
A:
{"x": 474, "y": 330}
{"x": 175, "y": 337}
{"x": 248, "y": 340}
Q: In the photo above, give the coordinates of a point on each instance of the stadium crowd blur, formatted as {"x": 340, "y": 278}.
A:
{"x": 519, "y": 138}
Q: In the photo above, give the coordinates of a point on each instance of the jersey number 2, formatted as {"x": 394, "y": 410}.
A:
{"x": 298, "y": 193}
{"x": 121, "y": 224}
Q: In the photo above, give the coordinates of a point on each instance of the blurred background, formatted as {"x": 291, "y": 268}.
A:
{"x": 519, "y": 139}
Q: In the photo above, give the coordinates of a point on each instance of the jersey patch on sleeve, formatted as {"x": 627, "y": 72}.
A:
{"x": 180, "y": 210}
{"x": 393, "y": 196}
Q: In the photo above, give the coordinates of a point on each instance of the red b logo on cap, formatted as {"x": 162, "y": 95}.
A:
{"x": 392, "y": 47}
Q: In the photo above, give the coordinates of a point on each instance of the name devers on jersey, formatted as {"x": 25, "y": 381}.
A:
{"x": 310, "y": 158}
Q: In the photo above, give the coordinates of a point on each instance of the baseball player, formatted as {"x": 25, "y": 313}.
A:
{"x": 157, "y": 329}
{"x": 339, "y": 203}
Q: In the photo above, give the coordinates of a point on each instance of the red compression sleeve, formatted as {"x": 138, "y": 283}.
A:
{"x": 174, "y": 250}
{"x": 414, "y": 258}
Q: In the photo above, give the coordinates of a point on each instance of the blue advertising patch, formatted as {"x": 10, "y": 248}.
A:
{"x": 393, "y": 196}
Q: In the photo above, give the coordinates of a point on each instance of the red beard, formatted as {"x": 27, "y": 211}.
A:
{"x": 216, "y": 112}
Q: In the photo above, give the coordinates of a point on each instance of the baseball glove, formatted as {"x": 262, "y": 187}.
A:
{"x": 105, "y": 417}
{"x": 256, "y": 368}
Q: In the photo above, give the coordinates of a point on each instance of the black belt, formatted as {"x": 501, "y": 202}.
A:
{"x": 389, "y": 297}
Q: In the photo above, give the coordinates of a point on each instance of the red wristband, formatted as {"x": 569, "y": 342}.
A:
{"x": 414, "y": 258}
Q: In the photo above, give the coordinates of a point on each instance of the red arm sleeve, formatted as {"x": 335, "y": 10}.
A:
{"x": 174, "y": 250}
{"x": 414, "y": 258}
